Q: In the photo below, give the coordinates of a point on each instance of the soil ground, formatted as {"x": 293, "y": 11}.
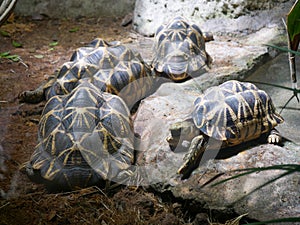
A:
{"x": 46, "y": 45}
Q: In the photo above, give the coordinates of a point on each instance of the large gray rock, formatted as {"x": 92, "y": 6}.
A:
{"x": 243, "y": 195}
{"x": 213, "y": 15}
{"x": 171, "y": 103}
{"x": 75, "y": 8}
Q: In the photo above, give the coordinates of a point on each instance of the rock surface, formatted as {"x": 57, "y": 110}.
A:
{"x": 236, "y": 56}
{"x": 277, "y": 72}
{"x": 273, "y": 201}
{"x": 172, "y": 103}
{"x": 213, "y": 15}
{"x": 75, "y": 8}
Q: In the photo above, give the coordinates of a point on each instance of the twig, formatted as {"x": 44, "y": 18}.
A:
{"x": 22, "y": 62}
{"x": 290, "y": 99}
{"x": 7, "y": 203}
{"x": 291, "y": 57}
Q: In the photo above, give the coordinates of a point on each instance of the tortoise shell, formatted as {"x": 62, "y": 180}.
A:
{"x": 179, "y": 50}
{"x": 111, "y": 67}
{"x": 84, "y": 137}
{"x": 235, "y": 112}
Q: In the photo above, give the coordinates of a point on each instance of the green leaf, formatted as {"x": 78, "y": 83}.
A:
{"x": 288, "y": 220}
{"x": 53, "y": 44}
{"x": 75, "y": 29}
{"x": 293, "y": 21}
{"x": 4, "y": 33}
{"x": 284, "y": 49}
{"x": 290, "y": 168}
{"x": 39, "y": 56}
{"x": 277, "y": 86}
{"x": 16, "y": 44}
{"x": 7, "y": 55}
{"x": 4, "y": 54}
{"x": 14, "y": 58}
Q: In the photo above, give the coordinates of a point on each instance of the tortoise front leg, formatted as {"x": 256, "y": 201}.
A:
{"x": 193, "y": 156}
{"x": 274, "y": 137}
{"x": 37, "y": 95}
{"x": 34, "y": 97}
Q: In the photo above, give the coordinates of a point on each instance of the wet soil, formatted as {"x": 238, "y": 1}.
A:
{"x": 46, "y": 45}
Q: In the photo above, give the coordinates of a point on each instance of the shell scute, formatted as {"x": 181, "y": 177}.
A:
{"x": 179, "y": 50}
{"x": 235, "y": 112}
{"x": 111, "y": 67}
{"x": 79, "y": 134}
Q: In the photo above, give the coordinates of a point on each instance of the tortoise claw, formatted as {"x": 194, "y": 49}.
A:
{"x": 274, "y": 137}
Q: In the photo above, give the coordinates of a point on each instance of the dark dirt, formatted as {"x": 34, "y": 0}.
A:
{"x": 23, "y": 202}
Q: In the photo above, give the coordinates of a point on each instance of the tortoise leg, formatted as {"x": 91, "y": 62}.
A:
{"x": 274, "y": 137}
{"x": 37, "y": 95}
{"x": 34, "y": 96}
{"x": 193, "y": 157}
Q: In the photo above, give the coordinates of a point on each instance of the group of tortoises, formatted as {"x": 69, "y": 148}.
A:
{"x": 85, "y": 133}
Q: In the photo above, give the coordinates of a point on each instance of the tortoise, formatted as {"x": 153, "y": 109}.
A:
{"x": 179, "y": 50}
{"x": 112, "y": 67}
{"x": 233, "y": 112}
{"x": 84, "y": 138}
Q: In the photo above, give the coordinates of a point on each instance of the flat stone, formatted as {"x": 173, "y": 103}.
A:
{"x": 216, "y": 16}
{"x": 75, "y": 8}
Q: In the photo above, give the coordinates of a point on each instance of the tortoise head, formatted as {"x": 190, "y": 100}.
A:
{"x": 181, "y": 133}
